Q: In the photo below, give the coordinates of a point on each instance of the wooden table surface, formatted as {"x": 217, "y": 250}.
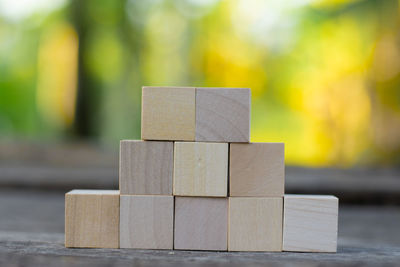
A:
{"x": 34, "y": 178}
{"x": 32, "y": 234}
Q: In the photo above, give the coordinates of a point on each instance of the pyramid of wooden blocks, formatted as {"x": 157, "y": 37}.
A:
{"x": 195, "y": 182}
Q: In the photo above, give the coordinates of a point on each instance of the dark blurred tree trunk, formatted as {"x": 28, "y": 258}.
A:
{"x": 87, "y": 103}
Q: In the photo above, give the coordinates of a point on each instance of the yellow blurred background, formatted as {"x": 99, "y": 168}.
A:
{"x": 325, "y": 75}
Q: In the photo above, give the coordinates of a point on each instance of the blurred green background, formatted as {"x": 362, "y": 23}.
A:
{"x": 325, "y": 75}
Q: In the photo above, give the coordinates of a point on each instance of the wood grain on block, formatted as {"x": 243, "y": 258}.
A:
{"x": 223, "y": 114}
{"x": 310, "y": 223}
{"x": 146, "y": 167}
{"x": 92, "y": 218}
{"x": 201, "y": 223}
{"x": 168, "y": 113}
{"x": 200, "y": 169}
{"x": 146, "y": 222}
{"x": 255, "y": 224}
{"x": 257, "y": 169}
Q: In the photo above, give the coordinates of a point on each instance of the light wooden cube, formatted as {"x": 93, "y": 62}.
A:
{"x": 146, "y": 167}
{"x": 223, "y": 114}
{"x": 310, "y": 223}
{"x": 168, "y": 113}
{"x": 146, "y": 222}
{"x": 201, "y": 223}
{"x": 255, "y": 224}
{"x": 92, "y": 218}
{"x": 257, "y": 169}
{"x": 200, "y": 169}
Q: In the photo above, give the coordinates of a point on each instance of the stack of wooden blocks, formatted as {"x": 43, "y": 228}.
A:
{"x": 195, "y": 182}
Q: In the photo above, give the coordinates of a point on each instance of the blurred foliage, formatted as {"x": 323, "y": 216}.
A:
{"x": 325, "y": 75}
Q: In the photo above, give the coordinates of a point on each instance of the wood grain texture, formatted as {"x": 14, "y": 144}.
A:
{"x": 146, "y": 167}
{"x": 257, "y": 169}
{"x": 146, "y": 222}
{"x": 255, "y": 224}
{"x": 200, "y": 169}
{"x": 223, "y": 114}
{"x": 310, "y": 223}
{"x": 201, "y": 223}
{"x": 92, "y": 218}
{"x": 168, "y": 113}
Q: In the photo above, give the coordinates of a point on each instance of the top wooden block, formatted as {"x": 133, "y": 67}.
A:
{"x": 168, "y": 113}
{"x": 196, "y": 114}
{"x": 223, "y": 114}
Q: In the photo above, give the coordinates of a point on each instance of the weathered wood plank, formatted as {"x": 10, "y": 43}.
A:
{"x": 32, "y": 234}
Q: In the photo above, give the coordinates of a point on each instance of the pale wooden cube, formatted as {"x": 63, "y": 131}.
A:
{"x": 146, "y": 222}
{"x": 168, "y": 113}
{"x": 200, "y": 169}
{"x": 223, "y": 114}
{"x": 146, "y": 167}
{"x": 257, "y": 169}
{"x": 92, "y": 218}
{"x": 201, "y": 223}
{"x": 310, "y": 223}
{"x": 255, "y": 224}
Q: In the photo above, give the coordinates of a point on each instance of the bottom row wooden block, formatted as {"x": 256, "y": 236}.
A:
{"x": 293, "y": 223}
{"x": 255, "y": 224}
{"x": 201, "y": 223}
{"x": 92, "y": 218}
{"x": 310, "y": 223}
{"x": 146, "y": 222}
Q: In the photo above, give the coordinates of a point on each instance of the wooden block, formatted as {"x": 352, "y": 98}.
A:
{"x": 257, "y": 169}
{"x": 146, "y": 167}
{"x": 200, "y": 169}
{"x": 147, "y": 222}
{"x": 92, "y": 218}
{"x": 255, "y": 224}
{"x": 201, "y": 223}
{"x": 223, "y": 114}
{"x": 310, "y": 223}
{"x": 168, "y": 113}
